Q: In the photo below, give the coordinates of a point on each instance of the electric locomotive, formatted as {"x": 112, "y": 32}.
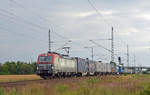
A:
{"x": 53, "y": 64}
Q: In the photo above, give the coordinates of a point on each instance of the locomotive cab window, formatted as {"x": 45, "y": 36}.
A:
{"x": 45, "y": 58}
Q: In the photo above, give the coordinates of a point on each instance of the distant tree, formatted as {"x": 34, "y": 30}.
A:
{"x": 26, "y": 69}
{"x": 5, "y": 69}
{"x": 34, "y": 66}
{"x": 18, "y": 68}
{"x": 18, "y": 65}
{"x": 0, "y": 67}
{"x": 12, "y": 68}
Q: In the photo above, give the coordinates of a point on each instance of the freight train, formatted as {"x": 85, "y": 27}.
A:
{"x": 53, "y": 64}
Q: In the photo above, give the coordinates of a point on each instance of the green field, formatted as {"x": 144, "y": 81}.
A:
{"x": 104, "y": 85}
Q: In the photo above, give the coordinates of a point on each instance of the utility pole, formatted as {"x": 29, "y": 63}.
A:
{"x": 49, "y": 36}
{"x": 112, "y": 45}
{"x": 134, "y": 61}
{"x": 134, "y": 66}
{"x": 92, "y": 52}
{"x": 127, "y": 55}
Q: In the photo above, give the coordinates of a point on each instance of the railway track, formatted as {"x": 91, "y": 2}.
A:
{"x": 16, "y": 83}
{"x": 26, "y": 82}
{"x": 47, "y": 81}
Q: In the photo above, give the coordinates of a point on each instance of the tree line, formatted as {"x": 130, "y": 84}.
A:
{"x": 10, "y": 68}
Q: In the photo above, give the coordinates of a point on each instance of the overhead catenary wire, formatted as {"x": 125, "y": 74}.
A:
{"x": 102, "y": 17}
{"x": 12, "y": 19}
{"x": 19, "y": 24}
{"x": 16, "y": 18}
{"x": 21, "y": 34}
{"x": 23, "y": 20}
{"x": 120, "y": 39}
{"x": 31, "y": 12}
{"x": 98, "y": 13}
{"x": 39, "y": 16}
{"x": 102, "y": 47}
{"x": 34, "y": 12}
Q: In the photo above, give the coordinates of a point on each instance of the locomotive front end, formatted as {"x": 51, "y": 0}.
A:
{"x": 45, "y": 65}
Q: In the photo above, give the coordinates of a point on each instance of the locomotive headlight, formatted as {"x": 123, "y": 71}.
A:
{"x": 52, "y": 67}
{"x": 37, "y": 68}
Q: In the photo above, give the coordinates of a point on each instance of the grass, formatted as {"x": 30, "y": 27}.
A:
{"x": 105, "y": 85}
{"x": 13, "y": 78}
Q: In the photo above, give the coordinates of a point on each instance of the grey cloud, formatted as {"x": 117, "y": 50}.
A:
{"x": 77, "y": 21}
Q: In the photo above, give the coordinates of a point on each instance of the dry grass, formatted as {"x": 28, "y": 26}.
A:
{"x": 13, "y": 78}
{"x": 104, "y": 85}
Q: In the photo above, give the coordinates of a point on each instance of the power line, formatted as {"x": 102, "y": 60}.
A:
{"x": 98, "y": 13}
{"x": 14, "y": 21}
{"x": 21, "y": 34}
{"x": 24, "y": 20}
{"x": 101, "y": 16}
{"x": 92, "y": 51}
{"x": 100, "y": 46}
{"x": 127, "y": 55}
{"x": 103, "y": 47}
{"x": 28, "y": 10}
{"x": 33, "y": 12}
{"x": 121, "y": 39}
{"x": 112, "y": 34}
{"x": 39, "y": 16}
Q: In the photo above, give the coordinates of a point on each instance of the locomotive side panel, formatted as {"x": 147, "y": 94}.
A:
{"x": 65, "y": 65}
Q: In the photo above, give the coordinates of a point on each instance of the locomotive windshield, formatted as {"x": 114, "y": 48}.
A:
{"x": 45, "y": 58}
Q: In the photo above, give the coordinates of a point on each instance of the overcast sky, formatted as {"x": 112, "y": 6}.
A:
{"x": 24, "y": 26}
